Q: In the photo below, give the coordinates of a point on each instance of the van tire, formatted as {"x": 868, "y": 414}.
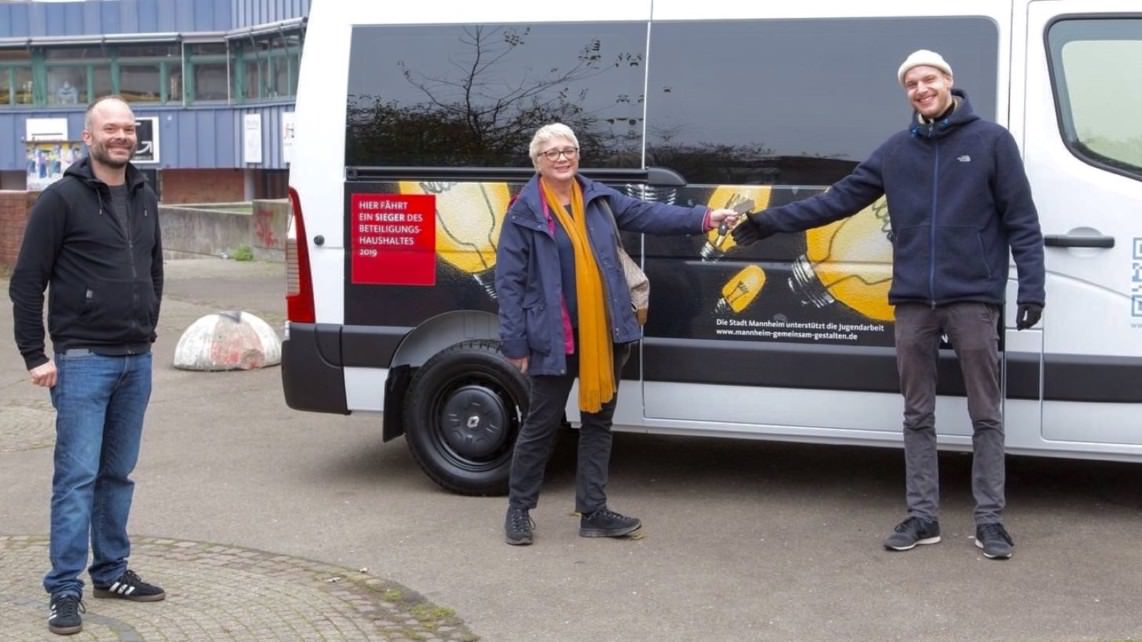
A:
{"x": 462, "y": 413}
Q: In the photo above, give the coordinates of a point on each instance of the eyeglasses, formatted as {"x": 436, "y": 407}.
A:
{"x": 553, "y": 154}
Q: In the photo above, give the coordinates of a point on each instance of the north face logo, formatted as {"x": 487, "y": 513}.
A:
{"x": 964, "y": 159}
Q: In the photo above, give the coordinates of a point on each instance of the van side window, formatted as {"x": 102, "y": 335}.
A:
{"x": 796, "y": 102}
{"x": 473, "y": 95}
{"x": 1095, "y": 66}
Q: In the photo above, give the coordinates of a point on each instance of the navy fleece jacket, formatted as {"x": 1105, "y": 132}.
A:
{"x": 958, "y": 200}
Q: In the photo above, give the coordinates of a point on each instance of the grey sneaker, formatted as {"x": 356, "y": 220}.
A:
{"x": 607, "y": 523}
{"x": 130, "y": 586}
{"x": 911, "y": 532}
{"x": 518, "y": 527}
{"x": 64, "y": 614}
{"x": 995, "y": 542}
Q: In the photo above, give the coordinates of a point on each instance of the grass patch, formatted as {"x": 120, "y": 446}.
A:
{"x": 243, "y": 253}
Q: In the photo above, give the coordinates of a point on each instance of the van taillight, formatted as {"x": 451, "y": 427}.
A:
{"x": 299, "y": 278}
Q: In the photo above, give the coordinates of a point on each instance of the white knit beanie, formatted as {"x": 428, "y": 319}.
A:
{"x": 923, "y": 58}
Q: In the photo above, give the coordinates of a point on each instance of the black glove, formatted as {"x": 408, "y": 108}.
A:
{"x": 1028, "y": 315}
{"x": 748, "y": 231}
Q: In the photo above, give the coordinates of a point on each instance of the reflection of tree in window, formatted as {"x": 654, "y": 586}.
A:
{"x": 484, "y": 109}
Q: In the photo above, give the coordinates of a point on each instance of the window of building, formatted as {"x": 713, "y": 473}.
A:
{"x": 66, "y": 72}
{"x": 756, "y": 105}
{"x": 474, "y": 95}
{"x": 265, "y": 67}
{"x": 1098, "y": 111}
{"x": 15, "y": 77}
{"x": 207, "y": 72}
{"x": 145, "y": 72}
{"x": 67, "y": 85}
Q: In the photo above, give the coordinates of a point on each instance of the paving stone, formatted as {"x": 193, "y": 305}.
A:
{"x": 221, "y": 593}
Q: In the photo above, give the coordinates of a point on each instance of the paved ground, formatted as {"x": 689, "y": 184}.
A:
{"x": 227, "y": 593}
{"x": 744, "y": 540}
{"x": 215, "y": 592}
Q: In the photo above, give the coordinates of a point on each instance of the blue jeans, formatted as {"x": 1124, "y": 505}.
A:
{"x": 100, "y": 402}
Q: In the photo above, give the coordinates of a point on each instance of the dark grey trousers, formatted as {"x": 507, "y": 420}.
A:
{"x": 537, "y": 439}
{"x": 972, "y": 330}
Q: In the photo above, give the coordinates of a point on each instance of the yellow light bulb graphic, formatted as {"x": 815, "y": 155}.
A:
{"x": 718, "y": 240}
{"x": 468, "y": 221}
{"x": 741, "y": 290}
{"x": 849, "y": 261}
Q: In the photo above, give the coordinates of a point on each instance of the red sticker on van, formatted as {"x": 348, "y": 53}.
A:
{"x": 393, "y": 239}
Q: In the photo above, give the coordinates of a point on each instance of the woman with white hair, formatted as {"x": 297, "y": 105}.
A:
{"x": 565, "y": 312}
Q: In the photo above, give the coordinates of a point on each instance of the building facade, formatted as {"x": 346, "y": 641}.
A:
{"x": 212, "y": 83}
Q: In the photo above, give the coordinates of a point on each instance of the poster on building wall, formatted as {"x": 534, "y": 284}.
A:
{"x": 288, "y": 122}
{"x": 48, "y": 160}
{"x": 147, "y": 133}
{"x": 45, "y": 129}
{"x": 252, "y": 137}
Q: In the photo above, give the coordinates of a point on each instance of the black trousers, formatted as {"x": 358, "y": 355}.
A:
{"x": 537, "y": 439}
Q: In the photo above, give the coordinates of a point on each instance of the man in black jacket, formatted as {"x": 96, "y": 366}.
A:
{"x": 93, "y": 236}
{"x": 960, "y": 205}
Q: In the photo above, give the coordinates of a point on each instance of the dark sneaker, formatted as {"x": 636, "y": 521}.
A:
{"x": 911, "y": 532}
{"x": 518, "y": 527}
{"x": 130, "y": 586}
{"x": 64, "y": 614}
{"x": 607, "y": 523}
{"x": 995, "y": 542}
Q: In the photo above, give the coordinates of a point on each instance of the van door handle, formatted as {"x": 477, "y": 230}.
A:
{"x": 1067, "y": 240}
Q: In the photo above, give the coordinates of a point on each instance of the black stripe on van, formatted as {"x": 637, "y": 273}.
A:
{"x": 793, "y": 365}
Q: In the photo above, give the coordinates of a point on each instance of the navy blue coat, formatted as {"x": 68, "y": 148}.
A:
{"x": 528, "y": 282}
{"x": 958, "y": 200}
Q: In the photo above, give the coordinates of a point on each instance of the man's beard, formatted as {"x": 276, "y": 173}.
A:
{"x": 100, "y": 153}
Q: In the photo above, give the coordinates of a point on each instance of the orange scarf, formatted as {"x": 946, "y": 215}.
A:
{"x": 596, "y": 352}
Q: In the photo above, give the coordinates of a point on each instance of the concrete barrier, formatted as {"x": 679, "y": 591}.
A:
{"x": 224, "y": 229}
{"x": 188, "y": 230}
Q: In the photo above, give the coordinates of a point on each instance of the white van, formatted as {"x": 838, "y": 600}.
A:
{"x": 413, "y": 120}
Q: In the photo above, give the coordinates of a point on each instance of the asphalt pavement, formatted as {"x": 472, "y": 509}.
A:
{"x": 266, "y": 523}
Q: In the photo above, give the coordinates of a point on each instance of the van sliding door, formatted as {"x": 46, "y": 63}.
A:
{"x": 1083, "y": 145}
{"x": 793, "y": 335}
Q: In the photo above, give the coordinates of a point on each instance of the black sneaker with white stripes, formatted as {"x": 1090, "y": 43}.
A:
{"x": 130, "y": 586}
{"x": 64, "y": 614}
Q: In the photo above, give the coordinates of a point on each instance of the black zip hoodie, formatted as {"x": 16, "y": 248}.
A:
{"x": 106, "y": 281}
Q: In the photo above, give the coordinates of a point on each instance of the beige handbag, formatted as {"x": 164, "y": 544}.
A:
{"x": 637, "y": 280}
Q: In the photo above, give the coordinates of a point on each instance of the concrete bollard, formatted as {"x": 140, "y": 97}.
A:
{"x": 228, "y": 341}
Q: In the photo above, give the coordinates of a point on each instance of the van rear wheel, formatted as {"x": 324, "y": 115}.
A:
{"x": 462, "y": 413}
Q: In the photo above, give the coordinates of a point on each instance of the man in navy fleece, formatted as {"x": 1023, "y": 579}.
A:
{"x": 959, "y": 202}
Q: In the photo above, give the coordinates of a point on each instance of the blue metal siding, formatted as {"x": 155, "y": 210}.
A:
{"x": 221, "y": 16}
{"x": 167, "y": 17}
{"x": 108, "y": 20}
{"x": 188, "y": 138}
{"x": 11, "y": 154}
{"x": 13, "y": 20}
{"x": 100, "y": 17}
{"x": 248, "y": 13}
{"x": 36, "y": 19}
{"x": 73, "y": 19}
